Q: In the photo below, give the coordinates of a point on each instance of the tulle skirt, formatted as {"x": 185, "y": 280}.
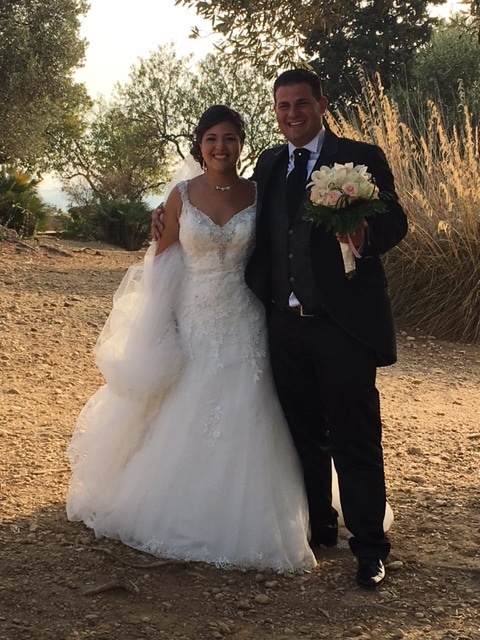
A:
{"x": 176, "y": 457}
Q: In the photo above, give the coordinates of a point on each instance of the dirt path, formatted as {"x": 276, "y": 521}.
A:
{"x": 58, "y": 583}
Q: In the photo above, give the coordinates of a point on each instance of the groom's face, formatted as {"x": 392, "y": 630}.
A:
{"x": 299, "y": 114}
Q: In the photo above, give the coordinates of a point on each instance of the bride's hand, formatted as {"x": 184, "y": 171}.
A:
{"x": 157, "y": 227}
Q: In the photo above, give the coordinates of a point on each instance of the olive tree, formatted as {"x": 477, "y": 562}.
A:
{"x": 40, "y": 48}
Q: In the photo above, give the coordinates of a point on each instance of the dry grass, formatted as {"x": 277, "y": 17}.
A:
{"x": 434, "y": 274}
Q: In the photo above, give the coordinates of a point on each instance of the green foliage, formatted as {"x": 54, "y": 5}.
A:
{"x": 376, "y": 37}
{"x": 82, "y": 221}
{"x": 125, "y": 151}
{"x": 447, "y": 71}
{"x": 344, "y": 220}
{"x": 40, "y": 48}
{"x": 133, "y": 142}
{"x": 121, "y": 222}
{"x": 125, "y": 223}
{"x": 21, "y": 208}
{"x": 277, "y": 34}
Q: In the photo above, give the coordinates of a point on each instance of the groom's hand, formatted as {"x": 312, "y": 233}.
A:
{"x": 357, "y": 238}
{"x": 156, "y": 227}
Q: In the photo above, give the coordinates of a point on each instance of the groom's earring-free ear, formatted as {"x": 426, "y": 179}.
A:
{"x": 239, "y": 164}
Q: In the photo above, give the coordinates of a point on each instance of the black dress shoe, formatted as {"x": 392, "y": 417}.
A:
{"x": 326, "y": 535}
{"x": 371, "y": 573}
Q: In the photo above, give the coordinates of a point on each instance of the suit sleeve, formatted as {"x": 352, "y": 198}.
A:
{"x": 385, "y": 230}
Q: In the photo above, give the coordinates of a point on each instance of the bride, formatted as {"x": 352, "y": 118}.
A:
{"x": 184, "y": 452}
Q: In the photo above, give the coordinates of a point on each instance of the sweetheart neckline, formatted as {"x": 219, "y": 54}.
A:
{"x": 205, "y": 215}
{"x": 221, "y": 226}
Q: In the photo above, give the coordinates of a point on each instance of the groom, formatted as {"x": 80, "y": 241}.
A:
{"x": 327, "y": 333}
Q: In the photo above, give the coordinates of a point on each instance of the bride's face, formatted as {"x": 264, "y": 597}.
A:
{"x": 221, "y": 147}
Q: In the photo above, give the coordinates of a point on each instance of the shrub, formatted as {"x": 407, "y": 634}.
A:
{"x": 21, "y": 208}
{"x": 83, "y": 222}
{"x": 121, "y": 222}
{"x": 125, "y": 223}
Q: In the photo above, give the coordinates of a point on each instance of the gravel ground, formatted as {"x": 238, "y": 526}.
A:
{"x": 58, "y": 583}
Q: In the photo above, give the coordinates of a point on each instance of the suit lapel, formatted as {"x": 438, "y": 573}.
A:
{"x": 328, "y": 154}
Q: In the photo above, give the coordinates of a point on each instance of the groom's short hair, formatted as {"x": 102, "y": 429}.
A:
{"x": 298, "y": 76}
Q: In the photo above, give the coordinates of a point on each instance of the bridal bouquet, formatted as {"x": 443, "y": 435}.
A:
{"x": 341, "y": 198}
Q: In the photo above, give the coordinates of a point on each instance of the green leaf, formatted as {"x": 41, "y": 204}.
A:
{"x": 343, "y": 221}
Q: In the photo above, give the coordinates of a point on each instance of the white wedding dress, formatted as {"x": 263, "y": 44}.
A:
{"x": 184, "y": 453}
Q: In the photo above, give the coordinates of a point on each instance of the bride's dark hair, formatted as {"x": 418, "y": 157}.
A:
{"x": 215, "y": 115}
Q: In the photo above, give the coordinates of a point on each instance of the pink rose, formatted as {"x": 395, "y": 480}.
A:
{"x": 351, "y": 190}
{"x": 332, "y": 198}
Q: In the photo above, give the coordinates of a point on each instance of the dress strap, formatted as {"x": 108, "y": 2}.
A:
{"x": 182, "y": 188}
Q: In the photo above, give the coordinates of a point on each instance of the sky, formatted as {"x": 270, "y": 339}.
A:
{"x": 121, "y": 32}
{"x": 118, "y": 33}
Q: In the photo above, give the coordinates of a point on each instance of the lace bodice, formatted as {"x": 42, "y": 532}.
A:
{"x": 216, "y": 300}
{"x": 210, "y": 248}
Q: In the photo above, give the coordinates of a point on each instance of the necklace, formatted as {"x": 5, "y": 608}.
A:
{"x": 219, "y": 188}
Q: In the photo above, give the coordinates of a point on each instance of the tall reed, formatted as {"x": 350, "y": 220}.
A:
{"x": 434, "y": 274}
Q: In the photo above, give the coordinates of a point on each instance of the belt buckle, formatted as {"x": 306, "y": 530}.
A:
{"x": 305, "y": 315}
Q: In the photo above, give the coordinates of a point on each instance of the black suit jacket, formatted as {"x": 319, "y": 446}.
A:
{"x": 360, "y": 305}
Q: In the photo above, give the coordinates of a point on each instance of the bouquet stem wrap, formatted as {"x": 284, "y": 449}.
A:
{"x": 341, "y": 198}
{"x": 349, "y": 253}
